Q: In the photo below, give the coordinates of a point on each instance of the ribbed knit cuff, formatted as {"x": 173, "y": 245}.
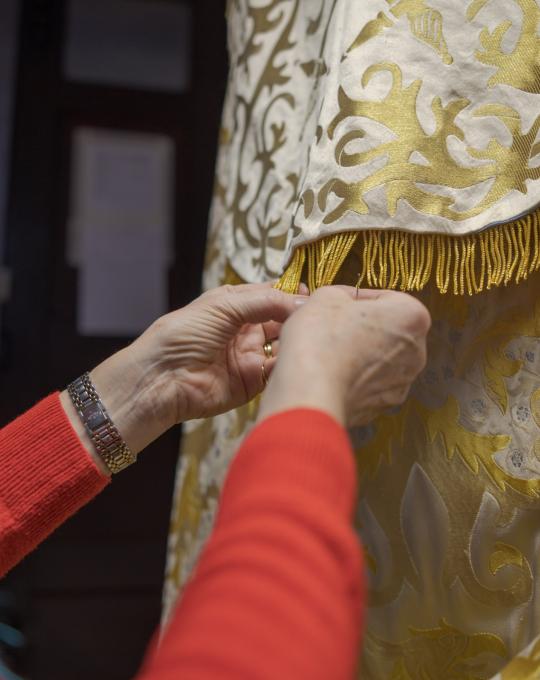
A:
{"x": 45, "y": 476}
{"x": 302, "y": 447}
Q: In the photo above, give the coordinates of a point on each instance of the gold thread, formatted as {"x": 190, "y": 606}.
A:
{"x": 429, "y": 264}
{"x": 464, "y": 265}
{"x": 456, "y": 266}
{"x": 476, "y": 286}
{"x": 290, "y": 281}
{"x": 448, "y": 265}
{"x": 383, "y": 259}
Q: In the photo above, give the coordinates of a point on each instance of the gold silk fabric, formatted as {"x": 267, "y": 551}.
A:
{"x": 344, "y": 120}
{"x": 350, "y": 115}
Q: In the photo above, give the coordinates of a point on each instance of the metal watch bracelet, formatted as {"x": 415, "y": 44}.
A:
{"x": 107, "y": 441}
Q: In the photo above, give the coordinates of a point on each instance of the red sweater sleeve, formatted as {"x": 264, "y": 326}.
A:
{"x": 46, "y": 475}
{"x": 278, "y": 589}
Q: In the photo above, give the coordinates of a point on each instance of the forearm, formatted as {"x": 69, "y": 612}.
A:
{"x": 309, "y": 391}
{"x": 49, "y": 467}
{"x": 45, "y": 476}
{"x": 277, "y": 592}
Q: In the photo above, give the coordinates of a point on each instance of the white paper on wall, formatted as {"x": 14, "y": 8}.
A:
{"x": 124, "y": 176}
{"x": 121, "y": 289}
{"x": 120, "y": 229}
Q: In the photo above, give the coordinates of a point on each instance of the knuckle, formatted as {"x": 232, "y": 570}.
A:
{"x": 275, "y": 295}
{"x": 419, "y": 315}
{"x": 391, "y": 398}
{"x": 228, "y": 289}
{"x": 413, "y": 314}
{"x": 403, "y": 395}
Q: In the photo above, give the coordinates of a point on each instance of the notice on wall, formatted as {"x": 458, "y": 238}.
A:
{"x": 120, "y": 229}
{"x": 121, "y": 289}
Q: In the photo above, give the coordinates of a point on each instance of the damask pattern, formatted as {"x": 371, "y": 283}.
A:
{"x": 414, "y": 115}
{"x": 418, "y": 115}
{"x": 450, "y": 497}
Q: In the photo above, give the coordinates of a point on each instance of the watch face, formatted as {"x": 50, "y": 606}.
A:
{"x": 94, "y": 416}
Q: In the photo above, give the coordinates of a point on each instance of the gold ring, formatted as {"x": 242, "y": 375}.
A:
{"x": 264, "y": 375}
{"x": 267, "y": 347}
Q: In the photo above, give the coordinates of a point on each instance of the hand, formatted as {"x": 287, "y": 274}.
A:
{"x": 198, "y": 361}
{"x": 351, "y": 354}
{"x": 211, "y": 352}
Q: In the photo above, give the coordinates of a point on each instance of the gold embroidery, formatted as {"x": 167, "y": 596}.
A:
{"x": 423, "y": 148}
{"x": 426, "y": 24}
{"x": 490, "y": 345}
{"x": 505, "y": 555}
{"x": 371, "y": 29}
{"x": 434, "y": 473}
{"x": 475, "y": 450}
{"x": 402, "y": 176}
{"x": 192, "y": 501}
{"x": 519, "y": 68}
{"x": 390, "y": 430}
{"x": 524, "y": 667}
{"x": 442, "y": 653}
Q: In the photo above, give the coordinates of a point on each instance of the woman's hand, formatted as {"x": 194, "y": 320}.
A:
{"x": 211, "y": 352}
{"x": 201, "y": 360}
{"x": 351, "y": 353}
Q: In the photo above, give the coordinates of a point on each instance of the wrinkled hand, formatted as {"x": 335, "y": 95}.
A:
{"x": 195, "y": 362}
{"x": 351, "y": 354}
{"x": 211, "y": 351}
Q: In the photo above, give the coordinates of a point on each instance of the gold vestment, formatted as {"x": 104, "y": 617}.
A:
{"x": 395, "y": 143}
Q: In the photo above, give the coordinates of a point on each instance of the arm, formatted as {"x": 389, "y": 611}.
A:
{"x": 275, "y": 578}
{"x": 279, "y": 590}
{"x": 197, "y": 361}
{"x": 46, "y": 476}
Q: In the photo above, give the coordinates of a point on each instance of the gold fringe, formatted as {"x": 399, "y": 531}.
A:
{"x": 293, "y": 275}
{"x": 324, "y": 260}
{"x": 462, "y": 265}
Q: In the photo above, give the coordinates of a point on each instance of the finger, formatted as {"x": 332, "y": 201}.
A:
{"x": 247, "y": 287}
{"x": 409, "y": 312}
{"x": 274, "y": 346}
{"x": 303, "y": 290}
{"x": 365, "y": 293}
{"x": 269, "y": 365}
{"x": 340, "y": 292}
{"x": 260, "y": 306}
{"x": 250, "y": 289}
{"x": 272, "y": 330}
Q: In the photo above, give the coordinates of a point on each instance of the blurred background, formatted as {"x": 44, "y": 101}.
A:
{"x": 109, "y": 118}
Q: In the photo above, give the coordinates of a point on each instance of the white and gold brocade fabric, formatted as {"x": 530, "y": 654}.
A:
{"x": 388, "y": 117}
{"x": 348, "y": 115}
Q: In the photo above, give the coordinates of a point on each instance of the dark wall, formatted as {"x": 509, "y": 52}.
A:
{"x": 89, "y": 598}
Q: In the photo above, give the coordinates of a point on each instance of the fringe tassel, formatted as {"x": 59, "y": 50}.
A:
{"x": 462, "y": 265}
{"x": 293, "y": 274}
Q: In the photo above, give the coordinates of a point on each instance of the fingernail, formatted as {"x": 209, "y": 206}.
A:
{"x": 300, "y": 301}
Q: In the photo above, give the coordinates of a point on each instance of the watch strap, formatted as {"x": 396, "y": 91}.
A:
{"x": 105, "y": 436}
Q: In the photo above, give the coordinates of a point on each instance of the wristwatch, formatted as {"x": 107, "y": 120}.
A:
{"x": 105, "y": 436}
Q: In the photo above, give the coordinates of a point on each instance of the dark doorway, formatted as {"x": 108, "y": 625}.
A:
{"x": 89, "y": 599}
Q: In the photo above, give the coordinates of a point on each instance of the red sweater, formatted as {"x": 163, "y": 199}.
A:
{"x": 276, "y": 593}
